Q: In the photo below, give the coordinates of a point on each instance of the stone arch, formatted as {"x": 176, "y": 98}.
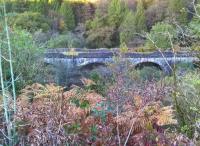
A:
{"x": 149, "y": 64}
{"x": 196, "y": 64}
{"x": 93, "y": 65}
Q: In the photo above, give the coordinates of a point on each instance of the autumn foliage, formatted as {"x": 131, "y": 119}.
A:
{"x": 50, "y": 115}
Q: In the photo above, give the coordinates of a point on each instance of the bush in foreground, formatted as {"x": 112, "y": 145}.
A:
{"x": 49, "y": 115}
{"x": 25, "y": 56}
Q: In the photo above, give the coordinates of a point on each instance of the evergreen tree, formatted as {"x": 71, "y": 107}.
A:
{"x": 127, "y": 28}
{"x": 116, "y": 12}
{"x": 159, "y": 36}
{"x": 67, "y": 13}
{"x": 140, "y": 20}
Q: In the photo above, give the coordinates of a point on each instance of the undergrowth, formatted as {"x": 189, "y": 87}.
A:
{"x": 48, "y": 115}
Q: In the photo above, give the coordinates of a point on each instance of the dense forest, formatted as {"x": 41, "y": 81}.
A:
{"x": 108, "y": 24}
{"x": 115, "y": 104}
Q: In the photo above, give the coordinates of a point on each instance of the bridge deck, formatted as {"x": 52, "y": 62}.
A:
{"x": 106, "y": 53}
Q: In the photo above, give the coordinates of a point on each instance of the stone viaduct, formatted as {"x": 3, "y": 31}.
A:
{"x": 74, "y": 59}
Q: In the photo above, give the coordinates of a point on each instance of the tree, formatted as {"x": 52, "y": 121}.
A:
{"x": 116, "y": 12}
{"x": 140, "y": 17}
{"x": 103, "y": 29}
{"x": 133, "y": 23}
{"x": 161, "y": 36}
{"x": 26, "y": 63}
{"x": 127, "y": 28}
{"x": 178, "y": 11}
{"x": 101, "y": 37}
{"x": 67, "y": 13}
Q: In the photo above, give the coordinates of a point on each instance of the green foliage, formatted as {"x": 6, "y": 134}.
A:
{"x": 41, "y": 6}
{"x": 103, "y": 29}
{"x": 116, "y": 12}
{"x": 133, "y": 23}
{"x": 31, "y": 21}
{"x": 160, "y": 36}
{"x": 55, "y": 4}
{"x": 101, "y": 37}
{"x": 17, "y": 6}
{"x": 65, "y": 41}
{"x": 128, "y": 28}
{"x": 178, "y": 11}
{"x": 150, "y": 73}
{"x": 140, "y": 22}
{"x": 99, "y": 21}
{"x": 188, "y": 99}
{"x": 26, "y": 68}
{"x": 146, "y": 73}
{"x": 67, "y": 13}
{"x": 197, "y": 6}
{"x": 83, "y": 104}
{"x": 194, "y": 27}
{"x": 99, "y": 85}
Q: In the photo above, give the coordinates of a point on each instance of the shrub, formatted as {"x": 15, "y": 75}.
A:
{"x": 150, "y": 73}
{"x": 101, "y": 37}
{"x": 99, "y": 85}
{"x": 85, "y": 118}
{"x": 160, "y": 36}
{"x": 32, "y": 21}
{"x": 188, "y": 98}
{"x": 67, "y": 13}
{"x": 65, "y": 41}
{"x": 26, "y": 64}
{"x": 194, "y": 27}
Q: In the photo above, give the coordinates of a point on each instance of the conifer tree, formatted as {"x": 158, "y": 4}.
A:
{"x": 127, "y": 28}
{"x": 116, "y": 12}
{"x": 140, "y": 20}
{"x": 67, "y": 13}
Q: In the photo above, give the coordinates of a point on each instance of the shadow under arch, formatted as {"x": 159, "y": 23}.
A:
{"x": 92, "y": 66}
{"x": 148, "y": 64}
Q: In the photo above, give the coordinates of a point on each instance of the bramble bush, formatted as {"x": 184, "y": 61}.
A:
{"x": 86, "y": 119}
